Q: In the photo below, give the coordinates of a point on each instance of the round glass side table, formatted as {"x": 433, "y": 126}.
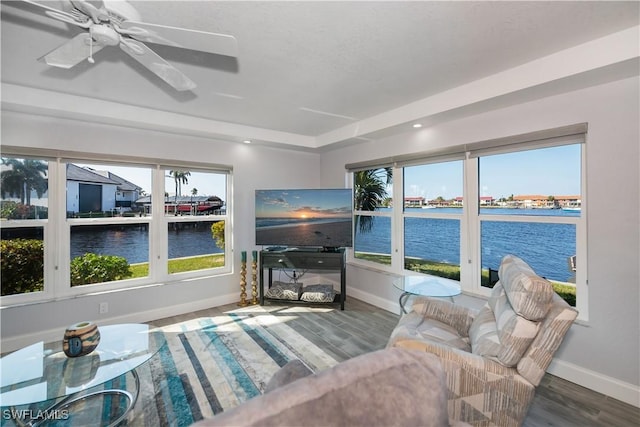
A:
{"x": 428, "y": 286}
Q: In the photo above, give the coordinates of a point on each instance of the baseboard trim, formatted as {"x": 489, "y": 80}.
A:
{"x": 385, "y": 304}
{"x": 612, "y": 387}
{"x": 14, "y": 343}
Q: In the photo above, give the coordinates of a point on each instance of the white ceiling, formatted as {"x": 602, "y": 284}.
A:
{"x": 308, "y": 74}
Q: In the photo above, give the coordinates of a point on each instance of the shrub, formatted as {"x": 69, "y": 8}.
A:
{"x": 92, "y": 268}
{"x": 14, "y": 210}
{"x": 22, "y": 266}
{"x": 217, "y": 231}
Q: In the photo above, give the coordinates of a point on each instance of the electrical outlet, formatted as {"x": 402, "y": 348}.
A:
{"x": 104, "y": 308}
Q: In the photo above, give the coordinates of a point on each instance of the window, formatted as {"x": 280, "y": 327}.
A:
{"x": 194, "y": 208}
{"x": 464, "y": 208}
{"x": 24, "y": 209}
{"x": 74, "y": 226}
{"x": 530, "y": 206}
{"x": 373, "y": 199}
{"x": 108, "y": 217}
{"x": 432, "y": 213}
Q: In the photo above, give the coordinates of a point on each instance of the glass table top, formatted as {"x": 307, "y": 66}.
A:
{"x": 428, "y": 286}
{"x": 41, "y": 372}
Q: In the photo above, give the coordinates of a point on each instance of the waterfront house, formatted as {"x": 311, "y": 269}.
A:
{"x": 319, "y": 90}
{"x": 414, "y": 202}
{"x": 90, "y": 190}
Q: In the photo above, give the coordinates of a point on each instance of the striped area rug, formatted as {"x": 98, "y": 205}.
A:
{"x": 211, "y": 364}
{"x": 208, "y": 364}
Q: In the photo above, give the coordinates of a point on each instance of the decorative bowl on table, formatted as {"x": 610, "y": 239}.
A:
{"x": 80, "y": 339}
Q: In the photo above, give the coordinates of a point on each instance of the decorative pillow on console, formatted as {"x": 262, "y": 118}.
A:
{"x": 282, "y": 290}
{"x": 318, "y": 293}
{"x": 529, "y": 294}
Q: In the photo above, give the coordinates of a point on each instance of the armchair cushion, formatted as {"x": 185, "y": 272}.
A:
{"x": 458, "y": 317}
{"x": 415, "y": 326}
{"x": 499, "y": 333}
{"x": 529, "y": 294}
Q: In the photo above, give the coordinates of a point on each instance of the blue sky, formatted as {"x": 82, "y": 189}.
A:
{"x": 551, "y": 171}
{"x": 207, "y": 184}
{"x": 303, "y": 203}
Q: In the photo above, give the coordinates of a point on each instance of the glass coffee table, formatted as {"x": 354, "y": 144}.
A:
{"x": 428, "y": 286}
{"x": 42, "y": 372}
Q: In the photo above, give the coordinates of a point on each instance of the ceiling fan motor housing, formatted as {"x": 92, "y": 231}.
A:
{"x": 105, "y": 35}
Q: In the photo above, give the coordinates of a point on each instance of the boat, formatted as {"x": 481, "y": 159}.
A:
{"x": 428, "y": 207}
{"x": 572, "y": 207}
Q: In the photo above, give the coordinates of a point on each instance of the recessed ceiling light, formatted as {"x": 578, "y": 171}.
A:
{"x": 417, "y": 125}
{"x": 247, "y": 141}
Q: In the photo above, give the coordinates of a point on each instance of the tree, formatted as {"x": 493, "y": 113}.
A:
{"x": 180, "y": 177}
{"x": 370, "y": 191}
{"x": 23, "y": 177}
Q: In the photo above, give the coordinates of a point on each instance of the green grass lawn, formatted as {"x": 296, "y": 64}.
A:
{"x": 449, "y": 271}
{"x": 182, "y": 264}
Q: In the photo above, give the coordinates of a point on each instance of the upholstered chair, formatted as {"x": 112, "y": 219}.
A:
{"x": 495, "y": 357}
{"x": 391, "y": 387}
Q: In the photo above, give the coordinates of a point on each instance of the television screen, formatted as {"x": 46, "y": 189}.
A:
{"x": 304, "y": 218}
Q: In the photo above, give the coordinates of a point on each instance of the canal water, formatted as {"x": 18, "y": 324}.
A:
{"x": 132, "y": 242}
{"x": 545, "y": 247}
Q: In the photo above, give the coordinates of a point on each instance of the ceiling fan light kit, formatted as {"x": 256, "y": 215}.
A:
{"x": 117, "y": 23}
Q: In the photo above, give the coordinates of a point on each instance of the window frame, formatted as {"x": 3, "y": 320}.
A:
{"x": 163, "y": 257}
{"x": 470, "y": 217}
{"x": 57, "y": 227}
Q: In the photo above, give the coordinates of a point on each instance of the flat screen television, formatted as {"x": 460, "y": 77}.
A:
{"x": 304, "y": 218}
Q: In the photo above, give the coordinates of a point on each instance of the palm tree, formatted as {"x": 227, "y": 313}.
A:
{"x": 180, "y": 177}
{"x": 23, "y": 177}
{"x": 370, "y": 191}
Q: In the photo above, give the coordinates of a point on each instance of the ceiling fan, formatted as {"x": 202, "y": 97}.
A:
{"x": 117, "y": 23}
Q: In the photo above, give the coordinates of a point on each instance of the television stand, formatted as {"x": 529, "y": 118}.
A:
{"x": 303, "y": 260}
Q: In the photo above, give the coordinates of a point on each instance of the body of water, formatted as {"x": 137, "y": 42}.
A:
{"x": 132, "y": 242}
{"x": 545, "y": 247}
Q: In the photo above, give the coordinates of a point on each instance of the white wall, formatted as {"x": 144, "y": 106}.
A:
{"x": 253, "y": 167}
{"x": 603, "y": 353}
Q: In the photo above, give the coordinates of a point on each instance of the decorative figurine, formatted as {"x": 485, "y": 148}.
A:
{"x": 254, "y": 277}
{"x": 243, "y": 280}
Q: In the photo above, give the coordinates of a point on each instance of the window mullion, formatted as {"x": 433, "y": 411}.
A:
{"x": 397, "y": 222}
{"x": 470, "y": 229}
{"x": 158, "y": 235}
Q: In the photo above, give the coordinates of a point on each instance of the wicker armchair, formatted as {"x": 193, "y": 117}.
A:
{"x": 495, "y": 357}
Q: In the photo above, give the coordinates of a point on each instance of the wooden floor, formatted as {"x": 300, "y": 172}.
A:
{"x": 362, "y": 328}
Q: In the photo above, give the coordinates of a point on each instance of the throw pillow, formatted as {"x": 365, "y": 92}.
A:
{"x": 286, "y": 291}
{"x": 318, "y": 293}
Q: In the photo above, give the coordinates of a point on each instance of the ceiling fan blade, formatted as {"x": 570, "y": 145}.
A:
{"x": 96, "y": 11}
{"x": 221, "y": 44}
{"x": 167, "y": 72}
{"x": 73, "y": 52}
{"x": 70, "y": 18}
